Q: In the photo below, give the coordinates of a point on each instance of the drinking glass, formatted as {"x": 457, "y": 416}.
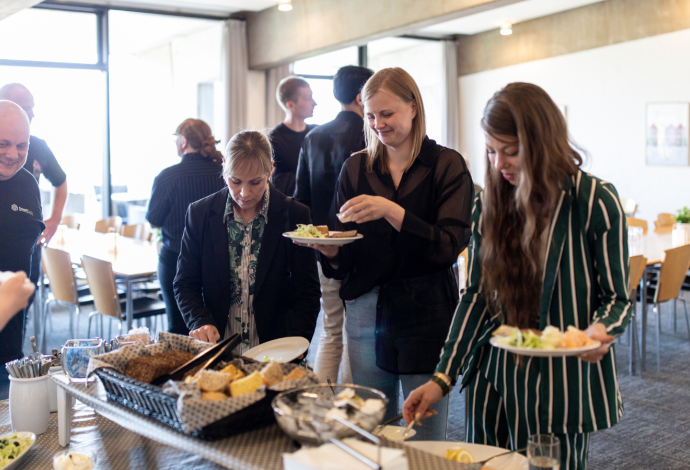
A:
{"x": 544, "y": 452}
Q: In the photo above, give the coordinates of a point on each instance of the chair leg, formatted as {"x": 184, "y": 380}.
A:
{"x": 657, "y": 309}
{"x": 687, "y": 321}
{"x": 77, "y": 311}
{"x": 637, "y": 348}
{"x": 675, "y": 323}
{"x": 47, "y": 309}
{"x": 110, "y": 328}
{"x": 631, "y": 340}
{"x": 88, "y": 331}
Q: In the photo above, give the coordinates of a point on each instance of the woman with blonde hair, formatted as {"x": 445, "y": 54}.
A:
{"x": 236, "y": 272}
{"x": 411, "y": 199}
{"x": 548, "y": 247}
{"x": 196, "y": 176}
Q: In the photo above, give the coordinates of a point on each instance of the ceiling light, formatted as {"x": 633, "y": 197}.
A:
{"x": 506, "y": 29}
{"x": 285, "y": 5}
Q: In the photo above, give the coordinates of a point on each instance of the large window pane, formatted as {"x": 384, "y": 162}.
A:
{"x": 49, "y": 35}
{"x": 70, "y": 110}
{"x": 164, "y": 70}
{"x": 424, "y": 61}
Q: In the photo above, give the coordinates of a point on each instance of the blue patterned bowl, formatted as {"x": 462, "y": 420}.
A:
{"x": 76, "y": 354}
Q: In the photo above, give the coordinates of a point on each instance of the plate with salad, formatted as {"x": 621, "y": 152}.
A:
{"x": 13, "y": 446}
{"x": 321, "y": 235}
{"x": 551, "y": 342}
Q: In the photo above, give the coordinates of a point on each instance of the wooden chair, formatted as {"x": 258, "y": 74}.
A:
{"x": 629, "y": 206}
{"x": 137, "y": 231}
{"x": 671, "y": 276}
{"x": 103, "y": 225}
{"x": 633, "y": 222}
{"x": 106, "y": 299}
{"x": 637, "y": 265}
{"x": 664, "y": 220}
{"x": 71, "y": 221}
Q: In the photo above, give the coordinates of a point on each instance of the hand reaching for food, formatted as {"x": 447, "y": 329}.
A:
{"x": 207, "y": 333}
{"x": 366, "y": 208}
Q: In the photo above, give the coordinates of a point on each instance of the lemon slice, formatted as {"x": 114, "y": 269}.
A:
{"x": 451, "y": 454}
{"x": 460, "y": 455}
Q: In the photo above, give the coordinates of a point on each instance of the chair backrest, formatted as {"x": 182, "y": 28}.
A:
{"x": 70, "y": 220}
{"x": 57, "y": 265}
{"x": 137, "y": 231}
{"x": 664, "y": 220}
{"x": 629, "y": 206}
{"x": 637, "y": 265}
{"x": 103, "y": 225}
{"x": 673, "y": 271}
{"x": 633, "y": 222}
{"x": 101, "y": 279}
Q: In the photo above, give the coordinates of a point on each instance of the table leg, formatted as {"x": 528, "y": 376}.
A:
{"x": 64, "y": 410}
{"x": 643, "y": 319}
{"x": 130, "y": 304}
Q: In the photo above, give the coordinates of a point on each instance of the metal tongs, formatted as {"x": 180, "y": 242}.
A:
{"x": 362, "y": 458}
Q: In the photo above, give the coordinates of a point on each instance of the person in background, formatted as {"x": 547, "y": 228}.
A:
{"x": 323, "y": 154}
{"x": 411, "y": 199}
{"x": 198, "y": 175}
{"x": 40, "y": 160}
{"x": 549, "y": 247}
{"x": 15, "y": 290}
{"x": 295, "y": 97}
{"x": 21, "y": 220}
{"x": 237, "y": 274}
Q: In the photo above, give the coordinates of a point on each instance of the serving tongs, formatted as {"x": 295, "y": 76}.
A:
{"x": 362, "y": 458}
{"x": 206, "y": 359}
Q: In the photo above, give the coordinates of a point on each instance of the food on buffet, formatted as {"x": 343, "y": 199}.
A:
{"x": 460, "y": 455}
{"x": 213, "y": 381}
{"x": 148, "y": 368}
{"x": 72, "y": 461}
{"x": 248, "y": 384}
{"x": 550, "y": 338}
{"x": 296, "y": 374}
{"x": 233, "y": 372}
{"x": 11, "y": 447}
{"x": 267, "y": 359}
{"x": 321, "y": 231}
{"x": 135, "y": 334}
{"x": 213, "y": 396}
{"x": 272, "y": 373}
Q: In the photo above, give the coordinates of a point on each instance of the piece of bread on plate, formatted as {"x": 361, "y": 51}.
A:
{"x": 272, "y": 373}
{"x": 348, "y": 234}
{"x": 322, "y": 228}
{"x": 213, "y": 381}
{"x": 248, "y": 384}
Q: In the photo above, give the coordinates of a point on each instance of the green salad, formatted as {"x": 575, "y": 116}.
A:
{"x": 11, "y": 447}
{"x": 550, "y": 338}
{"x": 308, "y": 231}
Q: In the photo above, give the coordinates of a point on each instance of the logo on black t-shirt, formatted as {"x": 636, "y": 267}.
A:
{"x": 21, "y": 209}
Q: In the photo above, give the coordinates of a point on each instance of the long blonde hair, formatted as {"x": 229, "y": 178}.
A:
{"x": 200, "y": 136}
{"x": 400, "y": 83}
{"x": 514, "y": 218}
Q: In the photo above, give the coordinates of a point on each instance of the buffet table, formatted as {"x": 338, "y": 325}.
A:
{"x": 255, "y": 450}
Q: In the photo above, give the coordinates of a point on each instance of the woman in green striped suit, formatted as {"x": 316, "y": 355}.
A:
{"x": 548, "y": 247}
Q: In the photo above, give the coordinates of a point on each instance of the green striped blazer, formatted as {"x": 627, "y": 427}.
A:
{"x": 585, "y": 281}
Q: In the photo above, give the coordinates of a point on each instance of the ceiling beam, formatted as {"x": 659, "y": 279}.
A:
{"x": 314, "y": 27}
{"x": 10, "y": 7}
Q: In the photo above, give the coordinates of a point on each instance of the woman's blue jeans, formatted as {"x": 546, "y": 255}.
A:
{"x": 360, "y": 325}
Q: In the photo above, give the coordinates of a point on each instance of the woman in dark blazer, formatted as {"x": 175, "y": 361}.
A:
{"x": 236, "y": 272}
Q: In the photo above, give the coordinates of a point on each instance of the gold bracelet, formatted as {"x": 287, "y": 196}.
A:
{"x": 445, "y": 379}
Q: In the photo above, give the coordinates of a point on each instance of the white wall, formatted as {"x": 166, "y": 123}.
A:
{"x": 605, "y": 91}
{"x": 256, "y": 99}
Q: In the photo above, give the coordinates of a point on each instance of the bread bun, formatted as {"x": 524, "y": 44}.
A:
{"x": 212, "y": 381}
{"x": 296, "y": 374}
{"x": 213, "y": 396}
{"x": 248, "y": 384}
{"x": 322, "y": 228}
{"x": 233, "y": 372}
{"x": 272, "y": 373}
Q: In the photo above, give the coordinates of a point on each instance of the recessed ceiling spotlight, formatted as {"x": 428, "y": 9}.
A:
{"x": 285, "y": 5}
{"x": 506, "y": 29}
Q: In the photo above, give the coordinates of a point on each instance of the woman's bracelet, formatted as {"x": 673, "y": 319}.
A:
{"x": 441, "y": 381}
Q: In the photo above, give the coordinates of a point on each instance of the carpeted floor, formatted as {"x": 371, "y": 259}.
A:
{"x": 654, "y": 433}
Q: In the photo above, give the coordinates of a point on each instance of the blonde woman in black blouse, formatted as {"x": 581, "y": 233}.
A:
{"x": 411, "y": 199}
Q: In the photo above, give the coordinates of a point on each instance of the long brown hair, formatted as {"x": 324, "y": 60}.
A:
{"x": 514, "y": 217}
{"x": 200, "y": 136}
{"x": 400, "y": 83}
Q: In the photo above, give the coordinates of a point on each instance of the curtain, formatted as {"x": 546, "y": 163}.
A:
{"x": 234, "y": 72}
{"x": 451, "y": 103}
{"x": 274, "y": 113}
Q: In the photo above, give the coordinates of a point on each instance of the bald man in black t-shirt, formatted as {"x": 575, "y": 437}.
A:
{"x": 21, "y": 216}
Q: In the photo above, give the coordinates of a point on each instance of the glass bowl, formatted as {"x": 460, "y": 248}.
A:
{"x": 65, "y": 454}
{"x": 305, "y": 414}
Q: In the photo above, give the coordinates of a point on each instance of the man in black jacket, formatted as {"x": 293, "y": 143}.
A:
{"x": 323, "y": 154}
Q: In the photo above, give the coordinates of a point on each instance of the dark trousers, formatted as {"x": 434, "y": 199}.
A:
{"x": 167, "y": 268}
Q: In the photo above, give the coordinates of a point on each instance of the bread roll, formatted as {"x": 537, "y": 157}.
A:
{"x": 213, "y": 396}
{"x": 296, "y": 374}
{"x": 248, "y": 384}
{"x": 272, "y": 373}
{"x": 322, "y": 228}
{"x": 348, "y": 234}
{"x": 212, "y": 381}
{"x": 233, "y": 372}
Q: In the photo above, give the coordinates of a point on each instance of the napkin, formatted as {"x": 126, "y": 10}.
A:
{"x": 331, "y": 457}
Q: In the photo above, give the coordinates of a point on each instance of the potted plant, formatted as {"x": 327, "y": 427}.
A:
{"x": 681, "y": 231}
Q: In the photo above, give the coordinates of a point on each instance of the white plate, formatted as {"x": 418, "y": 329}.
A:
{"x": 478, "y": 451}
{"x": 394, "y": 433}
{"x": 30, "y": 435}
{"x": 563, "y": 352}
{"x": 280, "y": 350}
{"x": 323, "y": 241}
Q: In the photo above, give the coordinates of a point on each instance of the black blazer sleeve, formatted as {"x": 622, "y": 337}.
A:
{"x": 188, "y": 280}
{"x": 306, "y": 280}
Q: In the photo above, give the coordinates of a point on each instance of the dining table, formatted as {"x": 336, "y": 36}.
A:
{"x": 133, "y": 260}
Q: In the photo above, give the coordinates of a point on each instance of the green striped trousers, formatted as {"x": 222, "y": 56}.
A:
{"x": 507, "y": 414}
